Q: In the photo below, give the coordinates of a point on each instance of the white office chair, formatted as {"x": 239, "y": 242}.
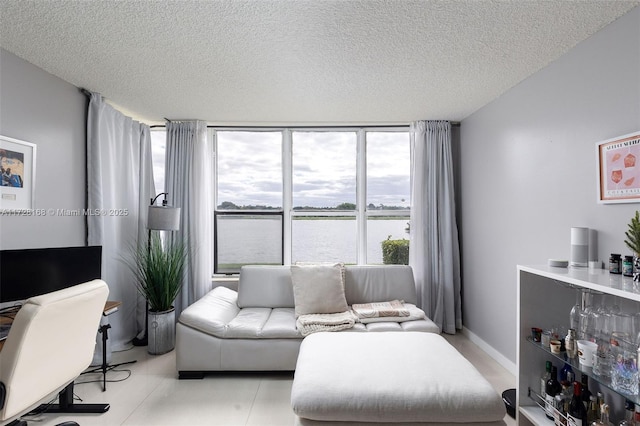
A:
{"x": 52, "y": 340}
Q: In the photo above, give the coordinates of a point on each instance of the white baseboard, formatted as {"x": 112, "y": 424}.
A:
{"x": 497, "y": 356}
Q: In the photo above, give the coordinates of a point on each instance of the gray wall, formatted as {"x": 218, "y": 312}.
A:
{"x": 528, "y": 173}
{"x": 42, "y": 109}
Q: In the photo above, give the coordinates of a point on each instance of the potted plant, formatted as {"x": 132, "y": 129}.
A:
{"x": 159, "y": 271}
{"x": 633, "y": 242}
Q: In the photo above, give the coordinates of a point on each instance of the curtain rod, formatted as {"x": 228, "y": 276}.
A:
{"x": 374, "y": 126}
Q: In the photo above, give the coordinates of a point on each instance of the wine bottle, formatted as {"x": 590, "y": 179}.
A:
{"x": 546, "y": 375}
{"x": 586, "y": 393}
{"x": 577, "y": 413}
{"x": 551, "y": 389}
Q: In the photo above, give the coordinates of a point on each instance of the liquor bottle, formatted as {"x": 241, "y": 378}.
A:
{"x": 600, "y": 403}
{"x": 560, "y": 413}
{"x": 592, "y": 411}
{"x": 562, "y": 404}
{"x": 604, "y": 417}
{"x": 586, "y": 393}
{"x": 567, "y": 373}
{"x": 577, "y": 413}
{"x": 546, "y": 375}
{"x": 571, "y": 344}
{"x": 551, "y": 389}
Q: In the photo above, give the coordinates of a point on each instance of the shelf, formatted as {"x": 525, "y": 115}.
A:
{"x": 598, "y": 280}
{"x": 535, "y": 415}
{"x": 540, "y": 413}
{"x": 575, "y": 365}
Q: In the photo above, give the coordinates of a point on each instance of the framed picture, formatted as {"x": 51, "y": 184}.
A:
{"x": 619, "y": 169}
{"x": 17, "y": 174}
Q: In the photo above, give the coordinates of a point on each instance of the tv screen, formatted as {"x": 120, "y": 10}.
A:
{"x": 32, "y": 272}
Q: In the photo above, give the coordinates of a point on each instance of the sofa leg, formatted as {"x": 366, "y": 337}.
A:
{"x": 190, "y": 375}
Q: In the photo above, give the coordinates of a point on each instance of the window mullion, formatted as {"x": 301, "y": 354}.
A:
{"x": 361, "y": 197}
{"x": 287, "y": 197}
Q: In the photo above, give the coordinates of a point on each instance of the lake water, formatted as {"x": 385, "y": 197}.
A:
{"x": 247, "y": 241}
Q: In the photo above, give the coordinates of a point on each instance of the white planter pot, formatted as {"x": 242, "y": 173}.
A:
{"x": 161, "y": 332}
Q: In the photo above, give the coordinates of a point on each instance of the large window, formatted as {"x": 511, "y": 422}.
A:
{"x": 323, "y": 226}
{"x": 388, "y": 193}
{"x": 308, "y": 195}
{"x": 248, "y": 227}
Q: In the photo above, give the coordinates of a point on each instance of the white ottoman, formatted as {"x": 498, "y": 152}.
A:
{"x": 407, "y": 377}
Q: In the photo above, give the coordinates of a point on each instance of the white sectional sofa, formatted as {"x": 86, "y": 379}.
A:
{"x": 255, "y": 327}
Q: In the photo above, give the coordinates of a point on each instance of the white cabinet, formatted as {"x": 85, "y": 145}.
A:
{"x": 545, "y": 298}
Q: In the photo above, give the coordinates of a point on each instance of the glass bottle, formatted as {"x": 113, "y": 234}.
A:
{"x": 577, "y": 415}
{"x": 586, "y": 317}
{"x": 592, "y": 410}
{"x": 604, "y": 417}
{"x": 574, "y": 315}
{"x": 600, "y": 403}
{"x": 560, "y": 413}
{"x": 571, "y": 344}
{"x": 586, "y": 393}
{"x": 546, "y": 375}
{"x": 551, "y": 389}
{"x": 567, "y": 373}
{"x": 562, "y": 403}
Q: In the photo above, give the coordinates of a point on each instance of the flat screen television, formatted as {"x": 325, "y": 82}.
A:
{"x": 32, "y": 272}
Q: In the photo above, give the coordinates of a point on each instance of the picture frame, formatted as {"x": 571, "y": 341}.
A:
{"x": 17, "y": 175}
{"x": 618, "y": 162}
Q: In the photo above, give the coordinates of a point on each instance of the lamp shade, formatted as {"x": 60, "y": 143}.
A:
{"x": 163, "y": 218}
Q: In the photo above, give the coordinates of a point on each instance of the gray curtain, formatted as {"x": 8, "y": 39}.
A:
{"x": 120, "y": 184}
{"x": 434, "y": 252}
{"x": 189, "y": 182}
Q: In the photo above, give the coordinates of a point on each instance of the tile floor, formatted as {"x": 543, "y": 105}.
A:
{"x": 152, "y": 395}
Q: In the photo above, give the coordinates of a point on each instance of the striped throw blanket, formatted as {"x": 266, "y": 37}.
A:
{"x": 313, "y": 323}
{"x": 394, "y": 308}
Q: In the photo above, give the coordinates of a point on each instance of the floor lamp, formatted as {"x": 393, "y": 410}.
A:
{"x": 160, "y": 218}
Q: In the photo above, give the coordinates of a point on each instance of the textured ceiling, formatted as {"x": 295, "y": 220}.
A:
{"x": 299, "y": 62}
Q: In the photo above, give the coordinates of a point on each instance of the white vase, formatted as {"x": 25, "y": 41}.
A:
{"x": 161, "y": 332}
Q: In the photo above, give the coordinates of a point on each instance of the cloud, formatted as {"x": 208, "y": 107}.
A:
{"x": 324, "y": 167}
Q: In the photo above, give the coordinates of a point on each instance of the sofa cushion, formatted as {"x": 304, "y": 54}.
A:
{"x": 212, "y": 312}
{"x": 265, "y": 286}
{"x": 248, "y": 323}
{"x": 281, "y": 325}
{"x": 379, "y": 283}
{"x": 318, "y": 289}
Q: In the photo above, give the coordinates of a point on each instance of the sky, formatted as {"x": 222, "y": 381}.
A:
{"x": 324, "y": 167}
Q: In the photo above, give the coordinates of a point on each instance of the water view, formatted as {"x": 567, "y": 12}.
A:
{"x": 314, "y": 240}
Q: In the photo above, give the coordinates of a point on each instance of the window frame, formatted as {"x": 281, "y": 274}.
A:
{"x": 361, "y": 213}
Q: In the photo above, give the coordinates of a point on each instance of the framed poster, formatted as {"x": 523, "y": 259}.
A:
{"x": 17, "y": 174}
{"x": 618, "y": 162}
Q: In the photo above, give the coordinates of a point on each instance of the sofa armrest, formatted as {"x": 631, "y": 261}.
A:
{"x": 213, "y": 312}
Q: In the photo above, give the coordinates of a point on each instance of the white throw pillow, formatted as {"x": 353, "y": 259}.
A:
{"x": 318, "y": 289}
